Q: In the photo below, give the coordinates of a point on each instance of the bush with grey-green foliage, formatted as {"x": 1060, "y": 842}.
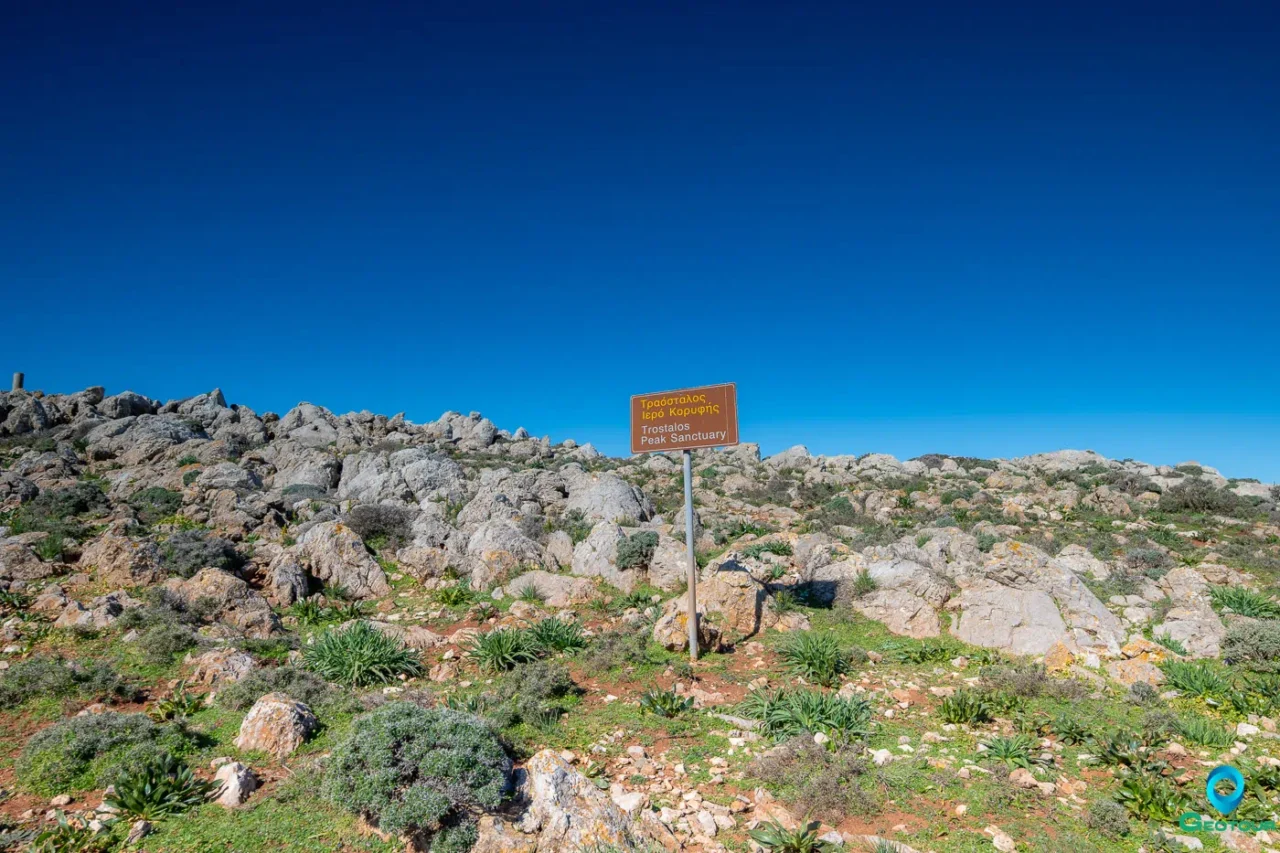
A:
{"x": 1255, "y": 644}
{"x": 54, "y": 677}
{"x": 421, "y": 773}
{"x": 299, "y": 684}
{"x": 532, "y": 693}
{"x": 80, "y": 753}
{"x": 188, "y": 551}
{"x": 635, "y": 551}
{"x": 162, "y": 643}
{"x": 155, "y": 503}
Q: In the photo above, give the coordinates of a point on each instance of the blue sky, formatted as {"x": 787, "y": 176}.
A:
{"x": 982, "y": 229}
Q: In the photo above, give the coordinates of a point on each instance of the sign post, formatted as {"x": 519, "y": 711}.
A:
{"x": 686, "y": 420}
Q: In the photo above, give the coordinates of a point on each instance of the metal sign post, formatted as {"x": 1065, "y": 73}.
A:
{"x": 693, "y": 562}
{"x": 686, "y": 420}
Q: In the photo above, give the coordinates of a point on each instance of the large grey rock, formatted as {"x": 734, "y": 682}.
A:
{"x": 228, "y": 475}
{"x": 234, "y": 602}
{"x": 1090, "y": 625}
{"x": 286, "y": 579}
{"x": 1021, "y": 621}
{"x": 1192, "y": 620}
{"x": 277, "y": 725}
{"x": 557, "y": 590}
{"x": 121, "y": 561}
{"x": 334, "y": 554}
{"x": 736, "y": 601}
{"x": 235, "y": 783}
{"x": 309, "y": 426}
{"x": 498, "y": 548}
{"x": 671, "y": 631}
{"x": 141, "y": 439}
{"x": 567, "y": 811}
{"x": 597, "y": 556}
{"x": 1078, "y": 559}
{"x": 606, "y": 497}
{"x": 408, "y": 476}
{"x": 126, "y": 404}
{"x": 19, "y": 563}
{"x": 669, "y": 567}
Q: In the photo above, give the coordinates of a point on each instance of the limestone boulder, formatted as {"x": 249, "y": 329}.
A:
{"x": 1020, "y": 621}
{"x": 1192, "y": 620}
{"x": 671, "y": 631}
{"x": 19, "y": 563}
{"x": 334, "y": 554}
{"x": 607, "y": 497}
{"x": 558, "y": 591}
{"x": 597, "y": 556}
{"x": 234, "y": 602}
{"x": 497, "y": 549}
{"x": 567, "y": 811}
{"x": 276, "y": 725}
{"x": 220, "y": 666}
{"x": 118, "y": 560}
{"x": 235, "y": 783}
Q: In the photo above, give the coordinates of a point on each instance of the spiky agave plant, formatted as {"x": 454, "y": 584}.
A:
{"x": 776, "y": 838}
{"x": 557, "y": 635}
{"x": 360, "y": 655}
{"x": 665, "y": 703}
{"x": 817, "y": 658}
{"x": 502, "y": 649}
{"x": 159, "y": 788}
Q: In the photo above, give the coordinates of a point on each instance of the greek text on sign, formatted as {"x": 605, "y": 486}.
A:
{"x": 685, "y": 420}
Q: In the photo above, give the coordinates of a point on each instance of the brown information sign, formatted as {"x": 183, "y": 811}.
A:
{"x": 684, "y": 420}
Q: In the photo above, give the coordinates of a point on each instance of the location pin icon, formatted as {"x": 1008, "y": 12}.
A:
{"x": 1225, "y": 803}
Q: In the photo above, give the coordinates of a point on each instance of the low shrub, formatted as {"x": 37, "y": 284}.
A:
{"x": 617, "y": 649}
{"x": 535, "y": 693}
{"x": 1148, "y": 796}
{"x": 380, "y": 525}
{"x": 557, "y": 635}
{"x": 966, "y": 707}
{"x": 1200, "y": 496}
{"x": 636, "y": 550}
{"x": 86, "y": 752}
{"x": 188, "y": 551}
{"x": 1195, "y": 679}
{"x": 1145, "y": 560}
{"x": 574, "y": 522}
{"x": 664, "y": 703}
{"x": 299, "y": 684}
{"x": 1108, "y": 818}
{"x": 360, "y": 655}
{"x": 824, "y": 781}
{"x": 1245, "y": 602}
{"x": 48, "y": 676}
{"x": 153, "y": 504}
{"x": 423, "y": 773}
{"x": 1204, "y": 732}
{"x": 756, "y": 549}
{"x": 776, "y": 838}
{"x": 1255, "y": 644}
{"x": 162, "y": 643}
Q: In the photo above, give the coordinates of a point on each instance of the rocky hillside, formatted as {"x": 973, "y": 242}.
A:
{"x": 316, "y": 567}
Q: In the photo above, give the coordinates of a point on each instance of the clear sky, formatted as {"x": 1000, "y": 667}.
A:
{"x": 969, "y": 228}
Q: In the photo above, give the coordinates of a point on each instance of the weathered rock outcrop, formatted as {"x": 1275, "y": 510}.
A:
{"x": 335, "y": 555}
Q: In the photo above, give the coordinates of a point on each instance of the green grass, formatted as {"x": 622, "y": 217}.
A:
{"x": 287, "y": 817}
